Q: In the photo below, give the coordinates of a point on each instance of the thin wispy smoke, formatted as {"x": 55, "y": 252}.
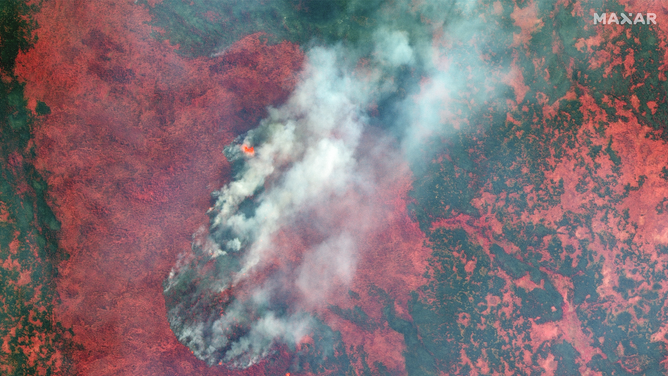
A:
{"x": 287, "y": 231}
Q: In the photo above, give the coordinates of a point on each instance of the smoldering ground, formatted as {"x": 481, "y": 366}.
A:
{"x": 287, "y": 231}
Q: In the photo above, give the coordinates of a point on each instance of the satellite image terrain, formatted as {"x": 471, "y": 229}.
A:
{"x": 333, "y": 187}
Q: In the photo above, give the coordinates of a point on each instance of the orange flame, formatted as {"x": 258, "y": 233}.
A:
{"x": 248, "y": 149}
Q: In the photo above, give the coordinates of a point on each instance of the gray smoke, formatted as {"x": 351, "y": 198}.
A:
{"x": 286, "y": 232}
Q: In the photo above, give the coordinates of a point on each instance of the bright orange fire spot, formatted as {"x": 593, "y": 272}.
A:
{"x": 248, "y": 149}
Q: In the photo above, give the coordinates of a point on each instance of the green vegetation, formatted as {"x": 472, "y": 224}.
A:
{"x": 612, "y": 154}
{"x": 28, "y": 228}
{"x": 203, "y": 27}
{"x": 15, "y": 33}
{"x": 355, "y": 315}
{"x": 451, "y": 312}
{"x": 509, "y": 161}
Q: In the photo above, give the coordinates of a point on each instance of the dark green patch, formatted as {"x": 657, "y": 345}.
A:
{"x": 42, "y": 108}
{"x": 355, "y": 315}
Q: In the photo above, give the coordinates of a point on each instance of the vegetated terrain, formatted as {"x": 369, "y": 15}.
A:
{"x": 531, "y": 244}
{"x": 32, "y": 340}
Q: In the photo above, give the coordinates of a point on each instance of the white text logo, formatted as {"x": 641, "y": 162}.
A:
{"x": 610, "y": 18}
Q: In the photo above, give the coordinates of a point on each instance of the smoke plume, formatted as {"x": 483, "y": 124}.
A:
{"x": 287, "y": 231}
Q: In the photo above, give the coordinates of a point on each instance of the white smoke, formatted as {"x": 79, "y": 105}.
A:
{"x": 307, "y": 157}
{"x": 393, "y": 47}
{"x": 305, "y": 163}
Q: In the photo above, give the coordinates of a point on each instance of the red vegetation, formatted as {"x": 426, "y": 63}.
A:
{"x": 132, "y": 150}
